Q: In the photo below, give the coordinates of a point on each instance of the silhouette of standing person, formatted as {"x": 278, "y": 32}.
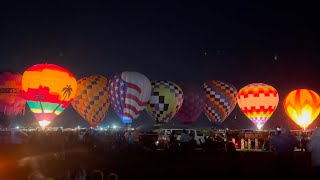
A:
{"x": 283, "y": 144}
{"x": 234, "y": 161}
{"x": 314, "y": 149}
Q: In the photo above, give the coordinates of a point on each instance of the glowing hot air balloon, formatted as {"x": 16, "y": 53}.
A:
{"x": 302, "y": 106}
{"x": 165, "y": 101}
{"x": 193, "y": 103}
{"x": 48, "y": 89}
{"x": 129, "y": 92}
{"x": 91, "y": 100}
{"x": 11, "y": 101}
{"x": 220, "y": 100}
{"x": 258, "y": 101}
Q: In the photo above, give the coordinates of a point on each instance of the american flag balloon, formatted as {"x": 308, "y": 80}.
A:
{"x": 129, "y": 92}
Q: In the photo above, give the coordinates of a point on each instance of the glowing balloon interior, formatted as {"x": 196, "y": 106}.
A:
{"x": 258, "y": 101}
{"x": 48, "y": 89}
{"x": 91, "y": 100}
{"x": 11, "y": 101}
{"x": 302, "y": 106}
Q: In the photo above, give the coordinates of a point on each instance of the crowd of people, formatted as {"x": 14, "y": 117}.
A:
{"x": 282, "y": 144}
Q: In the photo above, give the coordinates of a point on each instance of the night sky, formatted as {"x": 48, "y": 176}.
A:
{"x": 239, "y": 43}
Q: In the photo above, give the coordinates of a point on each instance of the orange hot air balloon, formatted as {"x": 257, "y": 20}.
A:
{"x": 258, "y": 101}
{"x": 48, "y": 89}
{"x": 302, "y": 106}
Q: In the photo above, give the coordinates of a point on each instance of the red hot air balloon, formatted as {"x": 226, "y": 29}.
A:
{"x": 193, "y": 103}
{"x": 258, "y": 101}
{"x": 48, "y": 89}
{"x": 11, "y": 101}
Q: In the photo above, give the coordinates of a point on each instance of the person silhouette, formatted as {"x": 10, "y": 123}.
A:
{"x": 314, "y": 149}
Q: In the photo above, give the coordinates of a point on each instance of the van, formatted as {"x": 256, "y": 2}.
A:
{"x": 163, "y": 139}
{"x": 13, "y": 136}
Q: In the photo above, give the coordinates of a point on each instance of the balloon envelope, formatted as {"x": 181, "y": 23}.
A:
{"x": 91, "y": 100}
{"x": 129, "y": 93}
{"x": 258, "y": 101}
{"x": 11, "y": 101}
{"x": 165, "y": 101}
{"x": 48, "y": 89}
{"x": 302, "y": 106}
{"x": 220, "y": 100}
{"x": 193, "y": 103}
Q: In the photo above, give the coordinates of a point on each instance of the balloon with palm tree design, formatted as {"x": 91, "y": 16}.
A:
{"x": 48, "y": 90}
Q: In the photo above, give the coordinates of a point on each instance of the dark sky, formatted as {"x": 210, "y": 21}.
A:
{"x": 227, "y": 41}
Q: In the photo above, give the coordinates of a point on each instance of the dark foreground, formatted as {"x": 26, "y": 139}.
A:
{"x": 19, "y": 163}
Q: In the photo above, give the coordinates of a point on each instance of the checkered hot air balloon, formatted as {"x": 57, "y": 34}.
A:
{"x": 258, "y": 101}
{"x": 129, "y": 92}
{"x": 302, "y": 106}
{"x": 165, "y": 101}
{"x": 91, "y": 100}
{"x": 220, "y": 100}
{"x": 48, "y": 89}
{"x": 193, "y": 103}
{"x": 11, "y": 101}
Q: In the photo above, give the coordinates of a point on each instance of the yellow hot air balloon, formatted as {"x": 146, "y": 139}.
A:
{"x": 302, "y": 106}
{"x": 92, "y": 100}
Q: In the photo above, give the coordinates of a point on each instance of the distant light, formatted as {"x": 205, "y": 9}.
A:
{"x": 17, "y": 127}
{"x": 101, "y": 128}
{"x": 114, "y": 127}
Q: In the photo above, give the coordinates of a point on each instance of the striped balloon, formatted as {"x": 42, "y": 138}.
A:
{"x": 258, "y": 101}
{"x": 220, "y": 99}
{"x": 302, "y": 106}
{"x": 129, "y": 93}
{"x": 91, "y": 100}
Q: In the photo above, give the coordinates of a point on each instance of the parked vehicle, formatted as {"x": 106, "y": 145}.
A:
{"x": 163, "y": 139}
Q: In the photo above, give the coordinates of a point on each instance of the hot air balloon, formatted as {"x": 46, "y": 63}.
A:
{"x": 193, "y": 103}
{"x": 48, "y": 89}
{"x": 129, "y": 92}
{"x": 302, "y": 106}
{"x": 258, "y": 101}
{"x": 91, "y": 100}
{"x": 11, "y": 101}
{"x": 165, "y": 101}
{"x": 220, "y": 100}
